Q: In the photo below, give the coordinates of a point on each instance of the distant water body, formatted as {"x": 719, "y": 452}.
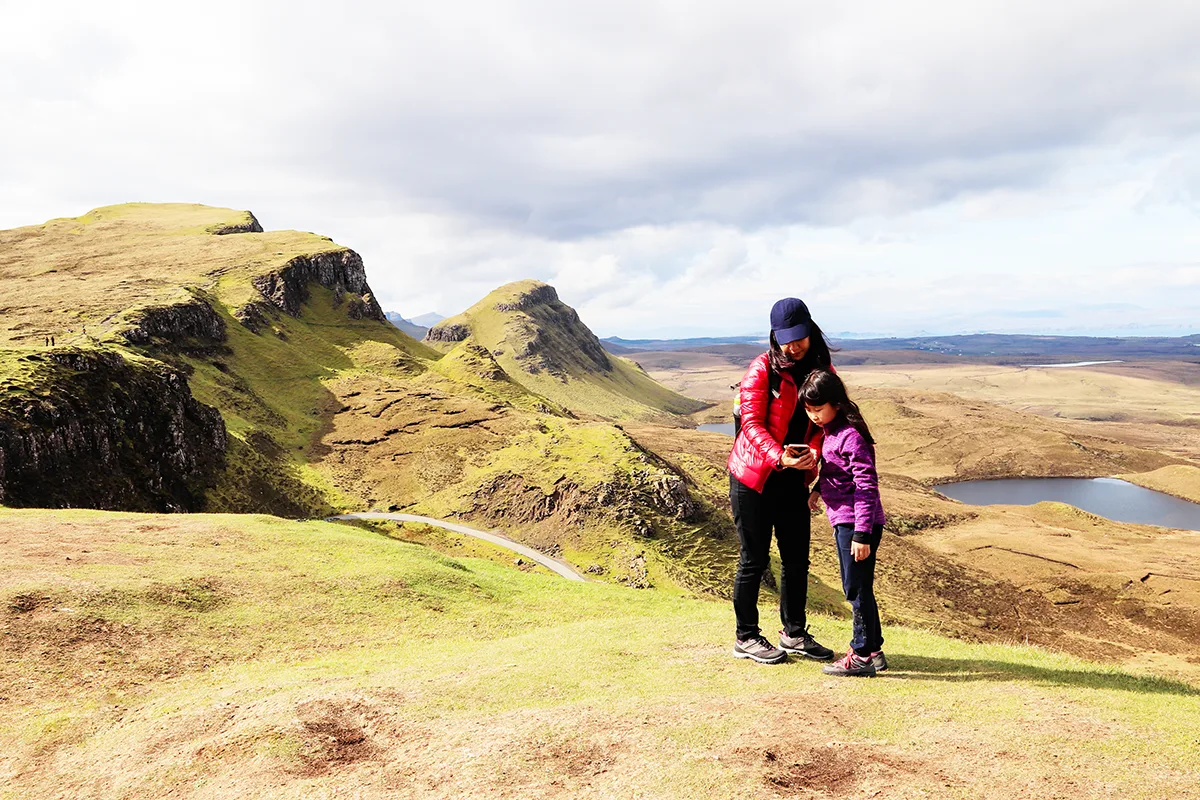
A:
{"x": 717, "y": 427}
{"x": 1073, "y": 364}
{"x": 1107, "y": 497}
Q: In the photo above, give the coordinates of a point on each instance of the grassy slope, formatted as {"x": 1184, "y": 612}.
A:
{"x": 431, "y": 445}
{"x": 1180, "y": 480}
{"x": 271, "y": 389}
{"x": 206, "y": 656}
{"x": 98, "y": 269}
{"x": 625, "y": 392}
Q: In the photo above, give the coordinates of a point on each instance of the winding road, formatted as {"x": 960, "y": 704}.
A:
{"x": 533, "y": 555}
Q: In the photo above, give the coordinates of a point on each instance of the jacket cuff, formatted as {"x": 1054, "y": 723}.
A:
{"x": 862, "y": 537}
{"x": 775, "y": 454}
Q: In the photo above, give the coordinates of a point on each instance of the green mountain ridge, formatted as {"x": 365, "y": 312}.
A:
{"x": 315, "y": 403}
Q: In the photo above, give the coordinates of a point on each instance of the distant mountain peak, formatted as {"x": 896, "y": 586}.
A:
{"x": 542, "y": 343}
{"x": 539, "y": 331}
{"x": 428, "y": 319}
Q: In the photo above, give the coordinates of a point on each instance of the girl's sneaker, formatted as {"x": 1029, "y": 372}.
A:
{"x": 757, "y": 648}
{"x": 879, "y": 661}
{"x": 851, "y": 664}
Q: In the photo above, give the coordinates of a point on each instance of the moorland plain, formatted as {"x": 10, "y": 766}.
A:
{"x": 1125, "y": 591}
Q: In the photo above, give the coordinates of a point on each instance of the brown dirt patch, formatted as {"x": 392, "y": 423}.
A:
{"x": 334, "y": 731}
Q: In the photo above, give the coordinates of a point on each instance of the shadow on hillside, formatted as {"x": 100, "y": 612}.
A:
{"x": 923, "y": 668}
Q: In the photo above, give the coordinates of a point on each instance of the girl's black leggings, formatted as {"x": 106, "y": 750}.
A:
{"x": 782, "y": 506}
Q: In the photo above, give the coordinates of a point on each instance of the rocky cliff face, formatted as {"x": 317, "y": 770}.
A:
{"x": 550, "y": 336}
{"x": 250, "y": 225}
{"x": 341, "y": 271}
{"x": 447, "y": 334}
{"x": 193, "y": 320}
{"x": 92, "y": 429}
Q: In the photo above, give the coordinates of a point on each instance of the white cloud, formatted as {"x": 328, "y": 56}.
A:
{"x": 668, "y": 165}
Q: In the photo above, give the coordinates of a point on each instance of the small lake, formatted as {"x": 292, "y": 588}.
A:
{"x": 1107, "y": 497}
{"x": 717, "y": 427}
{"x": 1073, "y": 364}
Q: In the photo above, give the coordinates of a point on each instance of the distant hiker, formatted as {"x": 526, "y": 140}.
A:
{"x": 849, "y": 485}
{"x": 52, "y": 342}
{"x": 768, "y": 485}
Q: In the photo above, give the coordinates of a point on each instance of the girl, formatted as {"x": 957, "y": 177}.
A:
{"x": 849, "y": 486}
{"x": 768, "y": 486}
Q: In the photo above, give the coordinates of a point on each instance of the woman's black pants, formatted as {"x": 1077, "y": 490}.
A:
{"x": 783, "y": 506}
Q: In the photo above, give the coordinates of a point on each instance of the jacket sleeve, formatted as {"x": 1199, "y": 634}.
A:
{"x": 756, "y": 383}
{"x": 861, "y": 464}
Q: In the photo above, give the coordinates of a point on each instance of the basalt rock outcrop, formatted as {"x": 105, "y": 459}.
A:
{"x": 250, "y": 225}
{"x": 94, "y": 429}
{"x": 193, "y": 320}
{"x": 342, "y": 271}
{"x": 451, "y": 333}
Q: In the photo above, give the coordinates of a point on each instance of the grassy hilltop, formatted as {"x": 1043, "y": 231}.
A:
{"x": 103, "y": 268}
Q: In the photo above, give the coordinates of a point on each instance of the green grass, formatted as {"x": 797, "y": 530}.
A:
{"x": 266, "y": 615}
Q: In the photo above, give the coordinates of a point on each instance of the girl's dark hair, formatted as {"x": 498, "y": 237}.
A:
{"x": 817, "y": 357}
{"x": 821, "y": 387}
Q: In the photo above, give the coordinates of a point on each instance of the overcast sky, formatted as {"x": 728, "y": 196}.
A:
{"x": 671, "y": 167}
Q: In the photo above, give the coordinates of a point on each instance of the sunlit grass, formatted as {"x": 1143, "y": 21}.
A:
{"x": 262, "y": 613}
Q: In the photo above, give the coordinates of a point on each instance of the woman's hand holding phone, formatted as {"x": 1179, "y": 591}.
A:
{"x": 798, "y": 456}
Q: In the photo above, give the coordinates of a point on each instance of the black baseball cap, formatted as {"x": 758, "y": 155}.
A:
{"x": 789, "y": 320}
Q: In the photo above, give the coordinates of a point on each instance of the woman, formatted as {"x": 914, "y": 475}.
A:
{"x": 768, "y": 484}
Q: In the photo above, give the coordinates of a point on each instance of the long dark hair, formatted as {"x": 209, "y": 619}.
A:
{"x": 821, "y": 387}
{"x": 817, "y": 357}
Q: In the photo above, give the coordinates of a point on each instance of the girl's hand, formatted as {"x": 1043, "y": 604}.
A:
{"x": 860, "y": 550}
{"x": 814, "y": 502}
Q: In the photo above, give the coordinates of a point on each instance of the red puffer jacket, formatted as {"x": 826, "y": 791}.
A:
{"x": 758, "y": 447}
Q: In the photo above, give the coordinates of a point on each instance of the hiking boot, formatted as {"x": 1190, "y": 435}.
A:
{"x": 758, "y": 649}
{"x": 851, "y": 664}
{"x": 804, "y": 645}
{"x": 879, "y": 661}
